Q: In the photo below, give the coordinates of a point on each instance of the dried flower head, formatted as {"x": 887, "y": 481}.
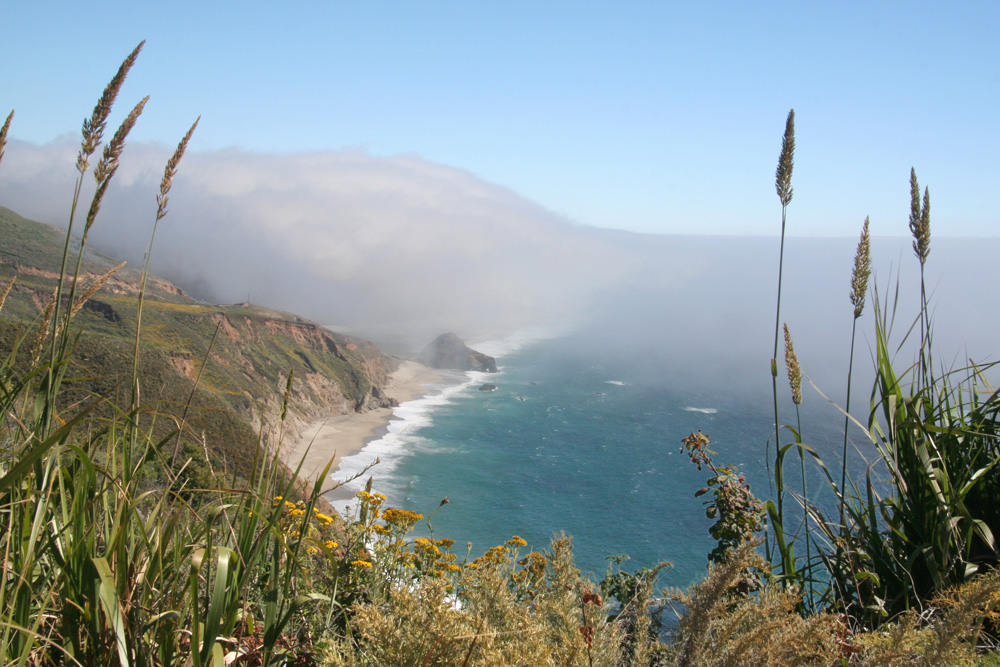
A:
{"x": 93, "y": 127}
{"x": 696, "y": 445}
{"x": 3, "y": 133}
{"x": 783, "y": 175}
{"x": 794, "y": 371}
{"x": 862, "y": 271}
{"x": 170, "y": 171}
{"x": 920, "y": 219}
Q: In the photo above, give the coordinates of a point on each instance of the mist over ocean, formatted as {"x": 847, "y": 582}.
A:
{"x": 583, "y": 431}
{"x": 573, "y": 442}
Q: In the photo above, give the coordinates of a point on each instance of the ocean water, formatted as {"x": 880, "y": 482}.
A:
{"x": 582, "y": 443}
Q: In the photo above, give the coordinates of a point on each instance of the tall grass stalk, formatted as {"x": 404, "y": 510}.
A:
{"x": 161, "y": 211}
{"x": 101, "y": 563}
{"x": 794, "y": 371}
{"x": 92, "y": 137}
{"x": 783, "y": 187}
{"x": 860, "y": 276}
{"x": 920, "y": 229}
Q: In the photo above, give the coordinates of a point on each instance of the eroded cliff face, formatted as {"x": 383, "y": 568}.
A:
{"x": 212, "y": 378}
{"x": 331, "y": 373}
{"x": 241, "y": 354}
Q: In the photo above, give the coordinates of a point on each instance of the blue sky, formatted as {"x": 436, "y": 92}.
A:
{"x": 649, "y": 116}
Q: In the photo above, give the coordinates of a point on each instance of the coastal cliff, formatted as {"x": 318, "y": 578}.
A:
{"x": 233, "y": 361}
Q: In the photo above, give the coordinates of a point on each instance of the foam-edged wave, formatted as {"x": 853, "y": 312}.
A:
{"x": 402, "y": 433}
{"x": 411, "y": 417}
{"x": 704, "y": 411}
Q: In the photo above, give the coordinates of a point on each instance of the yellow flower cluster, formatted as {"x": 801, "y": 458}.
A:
{"x": 517, "y": 541}
{"x": 373, "y": 499}
{"x": 494, "y": 556}
{"x": 533, "y": 569}
{"x": 361, "y": 563}
{"x": 429, "y": 555}
{"x": 325, "y": 519}
{"x": 400, "y": 517}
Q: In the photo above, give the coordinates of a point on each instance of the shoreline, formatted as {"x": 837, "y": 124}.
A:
{"x": 340, "y": 436}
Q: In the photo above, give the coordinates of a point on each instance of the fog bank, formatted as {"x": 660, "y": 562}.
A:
{"x": 398, "y": 248}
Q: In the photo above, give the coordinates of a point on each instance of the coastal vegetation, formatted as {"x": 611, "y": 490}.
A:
{"x": 115, "y": 552}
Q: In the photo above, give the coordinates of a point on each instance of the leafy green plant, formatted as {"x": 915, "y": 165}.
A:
{"x": 896, "y": 542}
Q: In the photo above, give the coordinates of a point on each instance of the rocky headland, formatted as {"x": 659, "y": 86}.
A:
{"x": 448, "y": 351}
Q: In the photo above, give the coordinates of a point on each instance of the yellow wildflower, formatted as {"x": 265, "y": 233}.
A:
{"x": 517, "y": 541}
{"x": 330, "y": 544}
{"x": 361, "y": 563}
{"x": 401, "y": 517}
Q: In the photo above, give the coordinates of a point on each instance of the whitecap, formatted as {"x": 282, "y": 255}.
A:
{"x": 706, "y": 411}
{"x": 618, "y": 383}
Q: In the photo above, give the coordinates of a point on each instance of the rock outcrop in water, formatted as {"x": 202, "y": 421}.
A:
{"x": 448, "y": 351}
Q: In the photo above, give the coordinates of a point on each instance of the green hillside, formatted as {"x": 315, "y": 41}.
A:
{"x": 239, "y": 355}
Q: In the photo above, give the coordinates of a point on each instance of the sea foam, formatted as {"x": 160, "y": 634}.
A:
{"x": 402, "y": 435}
{"x": 409, "y": 418}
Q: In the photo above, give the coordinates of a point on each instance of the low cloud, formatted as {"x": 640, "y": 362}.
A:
{"x": 401, "y": 249}
{"x": 342, "y": 237}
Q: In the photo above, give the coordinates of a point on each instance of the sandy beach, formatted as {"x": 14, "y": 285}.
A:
{"x": 343, "y": 435}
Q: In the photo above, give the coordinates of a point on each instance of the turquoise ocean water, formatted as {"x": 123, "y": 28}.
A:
{"x": 571, "y": 441}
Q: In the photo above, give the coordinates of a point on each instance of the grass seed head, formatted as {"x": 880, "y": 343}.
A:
{"x": 862, "y": 271}
{"x": 93, "y": 127}
{"x": 3, "y": 133}
{"x": 6, "y": 291}
{"x": 43, "y": 327}
{"x": 920, "y": 219}
{"x": 923, "y": 245}
{"x": 92, "y": 290}
{"x": 171, "y": 170}
{"x": 108, "y": 165}
{"x": 783, "y": 175}
{"x": 794, "y": 370}
{"x": 113, "y": 151}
